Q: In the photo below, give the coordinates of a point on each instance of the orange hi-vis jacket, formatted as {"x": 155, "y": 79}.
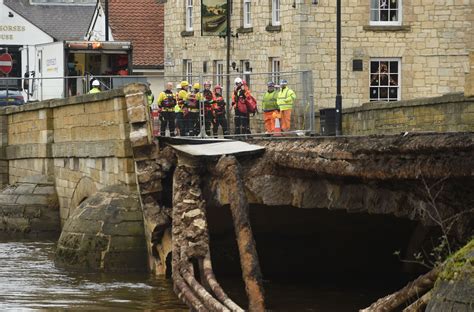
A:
{"x": 219, "y": 104}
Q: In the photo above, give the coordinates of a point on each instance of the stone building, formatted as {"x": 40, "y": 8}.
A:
{"x": 391, "y": 49}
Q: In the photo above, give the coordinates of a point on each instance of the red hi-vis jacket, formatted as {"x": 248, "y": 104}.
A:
{"x": 208, "y": 99}
{"x": 241, "y": 92}
{"x": 218, "y": 105}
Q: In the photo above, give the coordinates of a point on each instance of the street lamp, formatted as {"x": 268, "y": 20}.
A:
{"x": 106, "y": 13}
{"x": 228, "y": 35}
{"x": 338, "y": 70}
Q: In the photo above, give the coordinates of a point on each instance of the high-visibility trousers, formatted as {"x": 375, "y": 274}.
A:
{"x": 269, "y": 120}
{"x": 285, "y": 119}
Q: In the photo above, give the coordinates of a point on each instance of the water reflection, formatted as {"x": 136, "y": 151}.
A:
{"x": 29, "y": 281}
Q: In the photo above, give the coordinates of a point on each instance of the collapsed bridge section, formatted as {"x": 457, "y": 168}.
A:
{"x": 411, "y": 176}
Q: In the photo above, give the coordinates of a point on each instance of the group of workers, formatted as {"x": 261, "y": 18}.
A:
{"x": 181, "y": 111}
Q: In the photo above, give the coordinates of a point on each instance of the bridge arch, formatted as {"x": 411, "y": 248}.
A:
{"x": 84, "y": 189}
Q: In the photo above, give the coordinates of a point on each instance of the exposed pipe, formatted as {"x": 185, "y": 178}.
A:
{"x": 230, "y": 170}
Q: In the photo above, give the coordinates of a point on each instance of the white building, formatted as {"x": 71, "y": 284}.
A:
{"x": 25, "y": 24}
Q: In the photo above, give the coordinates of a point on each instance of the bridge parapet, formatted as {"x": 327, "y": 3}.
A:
{"x": 82, "y": 138}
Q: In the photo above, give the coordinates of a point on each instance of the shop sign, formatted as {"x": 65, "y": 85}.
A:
{"x": 7, "y": 31}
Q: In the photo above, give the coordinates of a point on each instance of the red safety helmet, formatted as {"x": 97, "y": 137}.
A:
{"x": 217, "y": 87}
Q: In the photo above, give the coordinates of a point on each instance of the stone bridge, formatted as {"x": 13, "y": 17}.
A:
{"x": 82, "y": 144}
{"x": 56, "y": 154}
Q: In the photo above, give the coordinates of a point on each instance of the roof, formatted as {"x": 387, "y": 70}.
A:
{"x": 62, "y": 22}
{"x": 141, "y": 24}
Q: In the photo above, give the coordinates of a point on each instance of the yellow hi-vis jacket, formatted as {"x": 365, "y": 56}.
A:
{"x": 269, "y": 102}
{"x": 181, "y": 99}
{"x": 94, "y": 90}
{"x": 167, "y": 101}
{"x": 150, "y": 98}
{"x": 285, "y": 98}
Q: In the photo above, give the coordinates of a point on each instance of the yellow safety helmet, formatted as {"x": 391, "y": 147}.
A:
{"x": 184, "y": 83}
{"x": 196, "y": 86}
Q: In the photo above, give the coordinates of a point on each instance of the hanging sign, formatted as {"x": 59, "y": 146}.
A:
{"x": 213, "y": 17}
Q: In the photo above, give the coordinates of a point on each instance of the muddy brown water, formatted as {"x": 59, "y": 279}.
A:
{"x": 29, "y": 281}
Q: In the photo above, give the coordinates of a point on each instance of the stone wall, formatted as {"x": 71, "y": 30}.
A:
{"x": 30, "y": 209}
{"x": 432, "y": 43}
{"x": 469, "y": 88}
{"x": 448, "y": 113}
{"x": 81, "y": 141}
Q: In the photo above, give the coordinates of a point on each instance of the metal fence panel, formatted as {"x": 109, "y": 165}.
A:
{"x": 302, "y": 116}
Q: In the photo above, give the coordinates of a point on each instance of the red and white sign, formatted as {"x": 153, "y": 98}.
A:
{"x": 6, "y": 63}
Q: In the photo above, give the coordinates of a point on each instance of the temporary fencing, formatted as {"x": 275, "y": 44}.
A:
{"x": 210, "y": 123}
{"x": 204, "y": 121}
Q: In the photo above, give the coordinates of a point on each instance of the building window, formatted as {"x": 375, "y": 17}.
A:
{"x": 275, "y": 12}
{"x": 246, "y": 71}
{"x": 247, "y": 14}
{"x": 385, "y": 12}
{"x": 188, "y": 70}
{"x": 275, "y": 69}
{"x": 385, "y": 79}
{"x": 219, "y": 70}
{"x": 189, "y": 15}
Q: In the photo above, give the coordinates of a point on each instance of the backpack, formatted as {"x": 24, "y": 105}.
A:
{"x": 242, "y": 106}
{"x": 251, "y": 104}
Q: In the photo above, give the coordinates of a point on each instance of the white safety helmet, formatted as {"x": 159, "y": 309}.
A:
{"x": 95, "y": 83}
{"x": 178, "y": 86}
{"x": 238, "y": 80}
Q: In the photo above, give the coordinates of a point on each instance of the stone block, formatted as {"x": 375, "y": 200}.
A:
{"x": 8, "y": 199}
{"x": 20, "y": 224}
{"x": 136, "y": 100}
{"x": 131, "y": 228}
{"x": 137, "y": 114}
{"x": 139, "y": 137}
{"x": 32, "y": 211}
{"x": 25, "y": 189}
{"x": 34, "y": 200}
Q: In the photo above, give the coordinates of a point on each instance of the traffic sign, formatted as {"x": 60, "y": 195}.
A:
{"x": 6, "y": 63}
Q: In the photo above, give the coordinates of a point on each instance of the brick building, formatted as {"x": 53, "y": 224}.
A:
{"x": 391, "y": 49}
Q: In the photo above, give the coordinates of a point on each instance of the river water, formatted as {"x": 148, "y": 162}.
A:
{"x": 29, "y": 281}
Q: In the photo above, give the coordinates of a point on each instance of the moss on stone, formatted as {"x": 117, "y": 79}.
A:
{"x": 458, "y": 263}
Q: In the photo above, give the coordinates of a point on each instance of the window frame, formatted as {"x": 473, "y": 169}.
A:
{"x": 276, "y": 13}
{"x": 275, "y": 69}
{"x": 188, "y": 70}
{"x": 247, "y": 13}
{"x": 378, "y": 22}
{"x": 246, "y": 71}
{"x": 219, "y": 72}
{"x": 379, "y": 86}
{"x": 189, "y": 15}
